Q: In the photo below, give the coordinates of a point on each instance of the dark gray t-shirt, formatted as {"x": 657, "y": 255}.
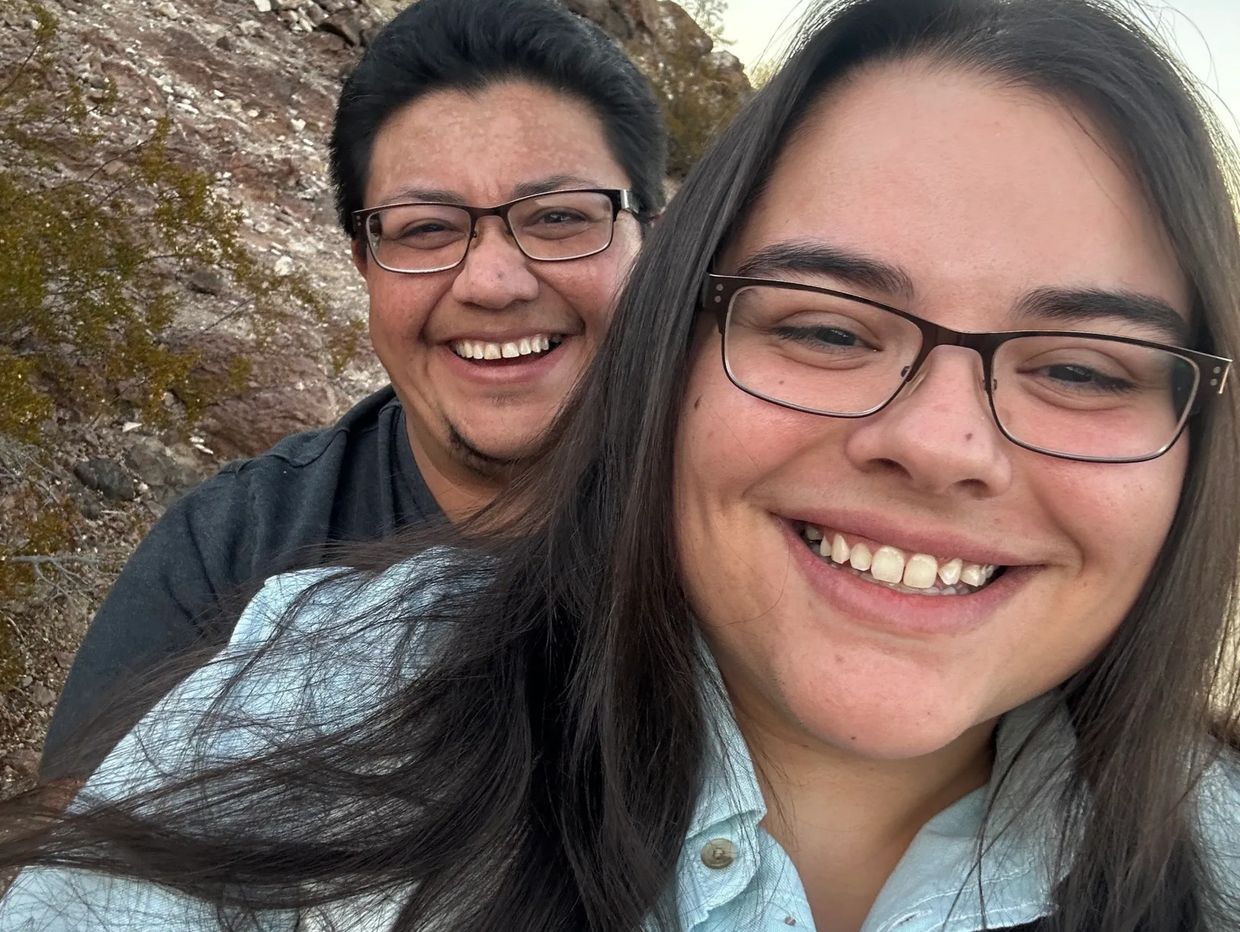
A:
{"x": 353, "y": 481}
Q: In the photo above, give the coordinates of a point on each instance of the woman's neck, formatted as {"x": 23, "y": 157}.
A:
{"x": 845, "y": 821}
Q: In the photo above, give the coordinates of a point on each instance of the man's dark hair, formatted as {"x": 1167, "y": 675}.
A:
{"x": 435, "y": 45}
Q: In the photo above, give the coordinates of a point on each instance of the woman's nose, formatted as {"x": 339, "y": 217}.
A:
{"x": 938, "y": 433}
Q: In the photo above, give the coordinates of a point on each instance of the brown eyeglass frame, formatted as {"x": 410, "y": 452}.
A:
{"x": 719, "y": 290}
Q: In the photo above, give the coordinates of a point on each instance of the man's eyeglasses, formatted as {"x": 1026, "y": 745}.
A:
{"x": 1079, "y": 396}
{"x": 552, "y": 227}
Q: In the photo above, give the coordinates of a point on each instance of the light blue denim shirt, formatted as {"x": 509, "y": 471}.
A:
{"x": 732, "y": 875}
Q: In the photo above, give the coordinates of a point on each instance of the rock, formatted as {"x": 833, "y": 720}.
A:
{"x": 25, "y": 681}
{"x": 42, "y": 696}
{"x": 270, "y": 407}
{"x": 24, "y": 760}
{"x": 207, "y": 281}
{"x": 107, "y": 477}
{"x": 348, "y": 26}
{"x": 63, "y": 658}
{"x": 263, "y": 6}
{"x": 158, "y": 467}
{"x": 284, "y": 267}
{"x": 608, "y": 15}
{"x": 225, "y": 43}
{"x": 89, "y": 505}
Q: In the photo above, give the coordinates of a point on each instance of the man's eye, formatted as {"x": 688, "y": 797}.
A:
{"x": 428, "y": 231}
{"x": 558, "y": 216}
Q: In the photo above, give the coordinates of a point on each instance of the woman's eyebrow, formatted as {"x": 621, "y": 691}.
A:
{"x": 1067, "y": 305}
{"x": 819, "y": 258}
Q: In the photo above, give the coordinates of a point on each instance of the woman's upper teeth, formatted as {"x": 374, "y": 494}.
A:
{"x": 893, "y": 565}
{"x": 509, "y": 349}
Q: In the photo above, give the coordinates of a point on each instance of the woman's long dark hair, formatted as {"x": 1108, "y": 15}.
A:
{"x": 539, "y": 768}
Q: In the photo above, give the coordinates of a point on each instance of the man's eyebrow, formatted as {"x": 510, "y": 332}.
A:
{"x": 1065, "y": 305}
{"x": 552, "y": 183}
{"x": 522, "y": 189}
{"x": 431, "y": 195}
{"x": 818, "y": 258}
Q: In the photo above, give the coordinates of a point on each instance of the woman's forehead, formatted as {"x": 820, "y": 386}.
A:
{"x": 972, "y": 188}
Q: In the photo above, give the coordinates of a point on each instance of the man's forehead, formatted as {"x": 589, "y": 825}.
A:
{"x": 486, "y": 147}
{"x": 561, "y": 181}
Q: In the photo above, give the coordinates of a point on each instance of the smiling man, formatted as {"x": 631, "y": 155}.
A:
{"x": 494, "y": 164}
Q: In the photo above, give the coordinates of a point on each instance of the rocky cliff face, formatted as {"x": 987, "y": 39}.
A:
{"x": 250, "y": 87}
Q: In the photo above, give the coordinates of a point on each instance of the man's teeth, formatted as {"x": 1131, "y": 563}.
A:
{"x": 526, "y": 346}
{"x": 891, "y": 565}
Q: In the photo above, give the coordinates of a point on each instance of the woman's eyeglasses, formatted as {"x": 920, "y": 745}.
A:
{"x": 1079, "y": 396}
{"x": 551, "y": 227}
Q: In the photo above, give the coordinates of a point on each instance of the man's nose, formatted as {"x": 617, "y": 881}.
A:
{"x": 495, "y": 273}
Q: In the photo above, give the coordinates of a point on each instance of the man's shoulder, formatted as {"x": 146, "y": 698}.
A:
{"x": 312, "y": 458}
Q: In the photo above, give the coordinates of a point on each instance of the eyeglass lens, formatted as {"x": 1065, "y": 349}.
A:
{"x": 429, "y": 237}
{"x": 1070, "y": 394}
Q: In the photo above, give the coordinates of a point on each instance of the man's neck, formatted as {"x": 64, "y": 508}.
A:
{"x": 459, "y": 490}
{"x": 846, "y": 821}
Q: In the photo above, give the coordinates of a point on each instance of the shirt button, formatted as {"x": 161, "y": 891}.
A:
{"x": 718, "y": 853}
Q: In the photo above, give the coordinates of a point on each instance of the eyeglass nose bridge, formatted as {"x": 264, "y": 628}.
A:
{"x": 477, "y": 213}
{"x": 935, "y": 335}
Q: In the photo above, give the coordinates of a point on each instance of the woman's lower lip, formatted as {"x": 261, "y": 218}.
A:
{"x": 902, "y": 613}
{"x": 506, "y": 371}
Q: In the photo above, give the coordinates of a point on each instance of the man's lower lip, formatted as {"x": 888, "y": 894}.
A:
{"x": 901, "y": 613}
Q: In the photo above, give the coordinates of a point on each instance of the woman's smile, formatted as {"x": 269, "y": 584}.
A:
{"x": 887, "y": 565}
{"x": 886, "y": 587}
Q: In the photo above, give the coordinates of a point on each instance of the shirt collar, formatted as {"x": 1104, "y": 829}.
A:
{"x": 940, "y": 884}
{"x": 937, "y": 884}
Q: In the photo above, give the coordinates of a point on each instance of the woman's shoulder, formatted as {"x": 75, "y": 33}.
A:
{"x": 314, "y": 652}
{"x": 307, "y": 601}
{"x": 1219, "y": 808}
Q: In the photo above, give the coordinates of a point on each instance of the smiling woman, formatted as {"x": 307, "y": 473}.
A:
{"x": 880, "y": 574}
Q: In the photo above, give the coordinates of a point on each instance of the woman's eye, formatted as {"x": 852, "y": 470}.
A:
{"x": 824, "y": 337}
{"x": 1077, "y": 377}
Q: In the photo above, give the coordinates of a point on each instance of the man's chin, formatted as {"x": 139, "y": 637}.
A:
{"x": 491, "y": 455}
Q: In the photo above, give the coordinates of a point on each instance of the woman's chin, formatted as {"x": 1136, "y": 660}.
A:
{"x": 901, "y": 728}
